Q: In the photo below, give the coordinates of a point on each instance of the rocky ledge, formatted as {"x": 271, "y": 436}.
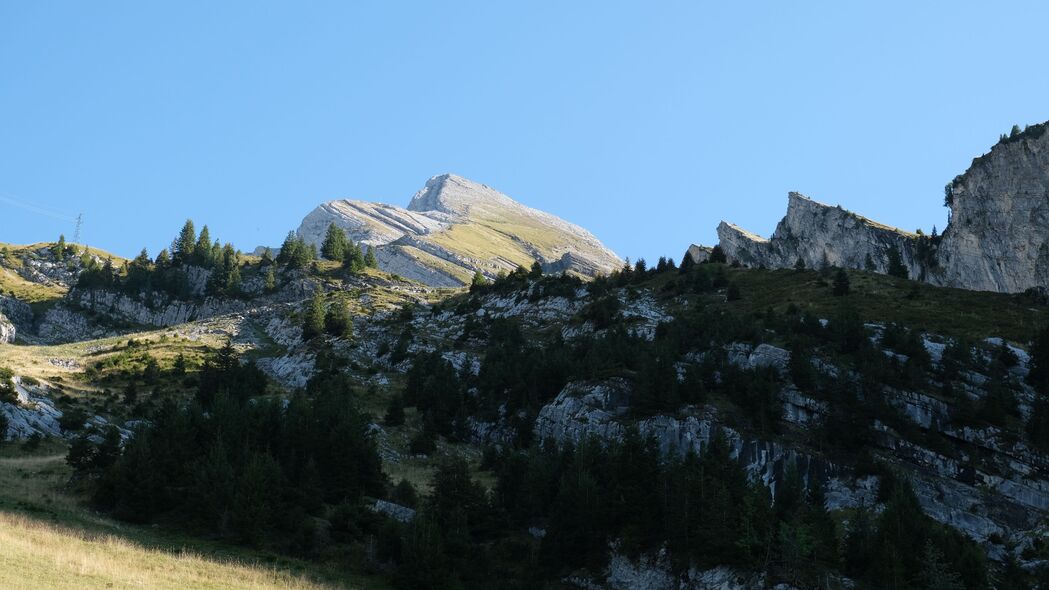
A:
{"x": 997, "y": 238}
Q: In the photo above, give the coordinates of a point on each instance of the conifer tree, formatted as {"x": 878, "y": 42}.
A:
{"x": 313, "y": 318}
{"x": 59, "y": 249}
{"x": 163, "y": 259}
{"x": 202, "y": 251}
{"x": 353, "y": 259}
{"x": 369, "y": 258}
{"x": 271, "y": 280}
{"x": 337, "y": 321}
{"x": 896, "y": 267}
{"x": 335, "y": 243}
{"x": 687, "y": 262}
{"x": 717, "y": 255}
{"x": 478, "y": 281}
{"x": 182, "y": 248}
{"x": 841, "y": 282}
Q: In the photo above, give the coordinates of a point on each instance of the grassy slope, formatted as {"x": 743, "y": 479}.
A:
{"x": 504, "y": 237}
{"x": 33, "y": 293}
{"x": 48, "y": 540}
{"x": 882, "y": 299}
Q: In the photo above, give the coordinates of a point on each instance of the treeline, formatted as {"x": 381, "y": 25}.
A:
{"x": 258, "y": 470}
{"x": 168, "y": 272}
{"x": 337, "y": 246}
{"x": 171, "y": 272}
{"x": 703, "y": 510}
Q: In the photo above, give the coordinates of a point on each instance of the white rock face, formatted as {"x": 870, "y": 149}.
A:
{"x": 7, "y": 330}
{"x": 997, "y": 238}
{"x": 819, "y": 235}
{"x": 33, "y": 413}
{"x": 699, "y": 253}
{"x": 453, "y": 227}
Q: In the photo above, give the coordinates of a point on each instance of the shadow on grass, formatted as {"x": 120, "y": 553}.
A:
{"x": 50, "y": 531}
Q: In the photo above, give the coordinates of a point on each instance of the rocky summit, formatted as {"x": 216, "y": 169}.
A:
{"x": 454, "y": 227}
{"x": 996, "y": 239}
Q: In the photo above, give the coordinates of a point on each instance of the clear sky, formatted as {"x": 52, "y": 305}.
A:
{"x": 646, "y": 122}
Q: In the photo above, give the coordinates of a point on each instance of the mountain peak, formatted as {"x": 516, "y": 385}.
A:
{"x": 455, "y": 195}
{"x": 454, "y": 227}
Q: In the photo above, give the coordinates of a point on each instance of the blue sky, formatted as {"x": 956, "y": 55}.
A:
{"x": 646, "y": 122}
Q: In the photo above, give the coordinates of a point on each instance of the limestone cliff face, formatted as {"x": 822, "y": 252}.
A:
{"x": 997, "y": 238}
{"x": 453, "y": 227}
{"x": 819, "y": 235}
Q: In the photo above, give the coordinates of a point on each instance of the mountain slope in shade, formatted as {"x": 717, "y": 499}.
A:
{"x": 454, "y": 227}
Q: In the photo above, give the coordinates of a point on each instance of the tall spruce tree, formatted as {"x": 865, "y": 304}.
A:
{"x": 334, "y": 245}
{"x": 202, "y": 251}
{"x": 896, "y": 267}
{"x": 184, "y": 244}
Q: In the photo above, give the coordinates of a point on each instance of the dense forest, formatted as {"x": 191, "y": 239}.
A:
{"x": 299, "y": 474}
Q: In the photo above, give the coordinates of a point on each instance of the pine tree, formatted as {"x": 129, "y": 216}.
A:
{"x": 717, "y": 255}
{"x": 163, "y": 260}
{"x": 896, "y": 267}
{"x": 185, "y": 243}
{"x": 353, "y": 259}
{"x": 335, "y": 242}
{"x": 369, "y": 258}
{"x": 337, "y": 320}
{"x": 271, "y": 280}
{"x": 202, "y": 251}
{"x": 478, "y": 282}
{"x": 687, "y": 262}
{"x": 313, "y": 318}
{"x": 59, "y": 249}
{"x": 841, "y": 283}
{"x": 536, "y": 271}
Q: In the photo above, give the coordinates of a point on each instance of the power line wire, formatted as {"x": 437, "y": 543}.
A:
{"x": 38, "y": 209}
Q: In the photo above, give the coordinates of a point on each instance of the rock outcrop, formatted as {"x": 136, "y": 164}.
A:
{"x": 819, "y": 235}
{"x": 997, "y": 238}
{"x": 454, "y": 227}
{"x": 7, "y": 330}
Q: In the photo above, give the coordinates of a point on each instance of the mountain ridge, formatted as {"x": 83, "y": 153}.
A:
{"x": 997, "y": 237}
{"x": 454, "y": 227}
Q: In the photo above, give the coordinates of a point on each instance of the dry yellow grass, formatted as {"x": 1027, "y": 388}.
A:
{"x": 34, "y": 555}
{"x": 49, "y": 540}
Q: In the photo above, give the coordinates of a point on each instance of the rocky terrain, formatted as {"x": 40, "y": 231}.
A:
{"x": 995, "y": 240}
{"x": 453, "y": 227}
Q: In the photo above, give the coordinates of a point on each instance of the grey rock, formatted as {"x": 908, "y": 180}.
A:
{"x": 997, "y": 238}
{"x": 394, "y": 511}
{"x": 18, "y": 313}
{"x": 420, "y": 242}
{"x": 819, "y": 235}
{"x": 7, "y": 330}
{"x": 699, "y": 254}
